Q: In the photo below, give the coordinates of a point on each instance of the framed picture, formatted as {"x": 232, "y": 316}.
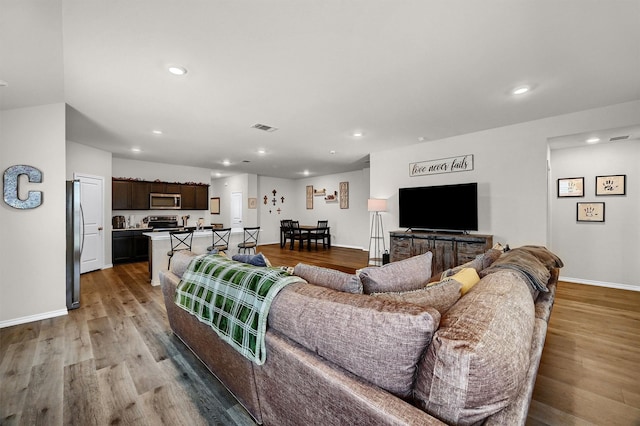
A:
{"x": 344, "y": 195}
{"x": 590, "y": 212}
{"x": 611, "y": 185}
{"x": 571, "y": 187}
{"x": 253, "y": 203}
{"x": 214, "y": 205}
{"x": 309, "y": 197}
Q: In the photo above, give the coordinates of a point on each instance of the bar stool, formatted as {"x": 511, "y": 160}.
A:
{"x": 180, "y": 240}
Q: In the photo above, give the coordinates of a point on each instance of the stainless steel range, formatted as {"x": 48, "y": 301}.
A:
{"x": 163, "y": 223}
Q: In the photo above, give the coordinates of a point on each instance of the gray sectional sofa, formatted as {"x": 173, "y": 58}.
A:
{"x": 390, "y": 345}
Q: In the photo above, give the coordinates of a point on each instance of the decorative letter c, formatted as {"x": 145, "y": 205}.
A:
{"x": 11, "y": 176}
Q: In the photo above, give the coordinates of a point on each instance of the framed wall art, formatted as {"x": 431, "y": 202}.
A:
{"x": 571, "y": 187}
{"x": 344, "y": 195}
{"x": 214, "y": 205}
{"x": 309, "y": 197}
{"x": 590, "y": 212}
{"x": 253, "y": 203}
{"x": 611, "y": 185}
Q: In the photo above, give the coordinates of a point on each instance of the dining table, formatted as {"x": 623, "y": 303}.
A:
{"x": 308, "y": 231}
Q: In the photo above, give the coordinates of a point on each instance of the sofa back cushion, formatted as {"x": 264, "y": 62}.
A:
{"x": 379, "y": 340}
{"x": 479, "y": 356}
{"x": 330, "y": 278}
{"x": 408, "y": 274}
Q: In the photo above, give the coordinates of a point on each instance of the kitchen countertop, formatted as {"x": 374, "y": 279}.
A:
{"x": 133, "y": 229}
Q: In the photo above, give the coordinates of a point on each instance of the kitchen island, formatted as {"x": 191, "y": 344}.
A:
{"x": 159, "y": 246}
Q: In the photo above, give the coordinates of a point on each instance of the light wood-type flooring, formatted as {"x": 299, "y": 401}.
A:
{"x": 115, "y": 361}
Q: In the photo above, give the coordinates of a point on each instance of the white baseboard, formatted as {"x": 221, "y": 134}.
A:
{"x": 600, "y": 283}
{"x": 31, "y": 318}
{"x": 107, "y": 266}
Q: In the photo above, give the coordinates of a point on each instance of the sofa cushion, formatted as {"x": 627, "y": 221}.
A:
{"x": 440, "y": 295}
{"x": 408, "y": 274}
{"x": 379, "y": 340}
{"x": 180, "y": 261}
{"x": 329, "y": 278}
{"x": 479, "y": 356}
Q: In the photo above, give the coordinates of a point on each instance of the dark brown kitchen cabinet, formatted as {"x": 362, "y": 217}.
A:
{"x": 134, "y": 194}
{"x": 129, "y": 246}
{"x": 195, "y": 197}
{"x": 448, "y": 249}
{"x": 140, "y": 195}
{"x": 129, "y": 195}
{"x": 120, "y": 195}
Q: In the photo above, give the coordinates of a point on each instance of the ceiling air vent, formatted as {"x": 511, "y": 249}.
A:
{"x": 618, "y": 138}
{"x": 264, "y": 127}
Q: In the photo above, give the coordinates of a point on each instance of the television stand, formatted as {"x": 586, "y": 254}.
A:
{"x": 449, "y": 248}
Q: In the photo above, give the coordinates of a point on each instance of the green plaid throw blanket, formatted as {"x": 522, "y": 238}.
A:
{"x": 233, "y": 298}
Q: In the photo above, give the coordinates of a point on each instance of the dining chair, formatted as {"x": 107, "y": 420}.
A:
{"x": 297, "y": 234}
{"x": 320, "y": 233}
{"x": 220, "y": 239}
{"x": 180, "y": 240}
{"x": 285, "y": 231}
{"x": 250, "y": 240}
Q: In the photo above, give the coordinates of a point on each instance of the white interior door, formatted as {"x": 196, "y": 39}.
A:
{"x": 92, "y": 206}
{"x": 236, "y": 210}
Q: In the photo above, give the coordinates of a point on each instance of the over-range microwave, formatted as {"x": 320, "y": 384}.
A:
{"x": 165, "y": 201}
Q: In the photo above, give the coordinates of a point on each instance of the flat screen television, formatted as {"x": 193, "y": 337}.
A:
{"x": 440, "y": 208}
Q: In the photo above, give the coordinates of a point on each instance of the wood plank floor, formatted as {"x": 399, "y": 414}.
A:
{"x": 115, "y": 361}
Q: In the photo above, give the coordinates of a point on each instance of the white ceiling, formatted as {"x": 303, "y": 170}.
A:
{"x": 317, "y": 70}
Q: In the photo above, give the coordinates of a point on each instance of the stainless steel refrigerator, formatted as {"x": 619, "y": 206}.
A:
{"x": 75, "y": 236}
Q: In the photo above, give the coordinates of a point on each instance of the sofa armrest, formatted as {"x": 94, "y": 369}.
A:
{"x": 295, "y": 387}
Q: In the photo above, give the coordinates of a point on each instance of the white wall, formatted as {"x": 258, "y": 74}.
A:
{"x": 606, "y": 253}
{"x": 510, "y": 168}
{"x": 32, "y": 253}
{"x": 269, "y": 218}
{"x": 146, "y": 170}
{"x": 349, "y": 227}
{"x": 92, "y": 161}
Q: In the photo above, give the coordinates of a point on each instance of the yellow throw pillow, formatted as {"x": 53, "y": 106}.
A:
{"x": 468, "y": 277}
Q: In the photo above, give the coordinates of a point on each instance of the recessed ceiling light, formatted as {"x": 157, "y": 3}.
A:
{"x": 306, "y": 173}
{"x": 156, "y": 132}
{"x": 226, "y": 162}
{"x": 593, "y": 140}
{"x": 262, "y": 151}
{"x": 177, "y": 70}
{"x": 357, "y": 134}
{"x": 218, "y": 174}
{"x": 333, "y": 151}
{"x": 136, "y": 150}
{"x": 521, "y": 90}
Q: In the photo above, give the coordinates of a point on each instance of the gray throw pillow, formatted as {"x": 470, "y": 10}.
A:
{"x": 329, "y": 278}
{"x": 439, "y": 295}
{"x": 408, "y": 274}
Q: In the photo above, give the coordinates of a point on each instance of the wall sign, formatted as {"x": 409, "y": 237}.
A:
{"x": 11, "y": 176}
{"x": 463, "y": 163}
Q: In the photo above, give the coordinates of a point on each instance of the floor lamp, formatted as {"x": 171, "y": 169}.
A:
{"x": 376, "y": 241}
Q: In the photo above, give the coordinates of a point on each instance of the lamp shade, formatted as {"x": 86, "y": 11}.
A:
{"x": 376, "y": 205}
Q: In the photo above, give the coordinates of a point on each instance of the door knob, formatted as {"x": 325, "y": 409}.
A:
{"x": 100, "y": 228}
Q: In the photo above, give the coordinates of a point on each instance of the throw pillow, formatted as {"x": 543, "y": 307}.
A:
{"x": 468, "y": 277}
{"x": 329, "y": 278}
{"x": 180, "y": 261}
{"x": 408, "y": 274}
{"x": 439, "y": 295}
{"x": 380, "y": 341}
{"x": 255, "y": 259}
{"x": 479, "y": 357}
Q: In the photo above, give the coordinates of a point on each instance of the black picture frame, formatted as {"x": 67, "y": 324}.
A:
{"x": 590, "y": 212}
{"x": 571, "y": 187}
{"x": 611, "y": 185}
